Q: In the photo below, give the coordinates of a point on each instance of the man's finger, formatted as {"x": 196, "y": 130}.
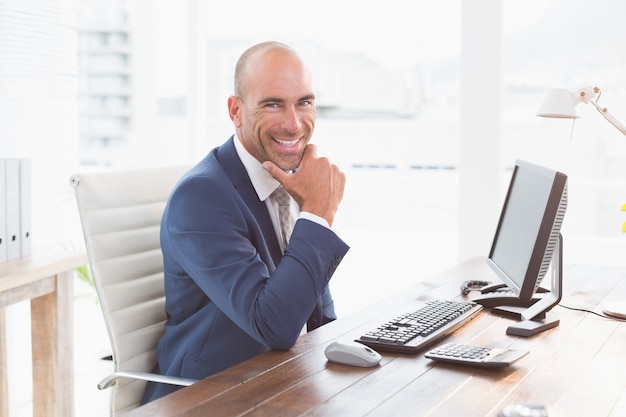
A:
{"x": 276, "y": 173}
{"x": 312, "y": 150}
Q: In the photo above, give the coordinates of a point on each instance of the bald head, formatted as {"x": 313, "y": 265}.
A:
{"x": 253, "y": 57}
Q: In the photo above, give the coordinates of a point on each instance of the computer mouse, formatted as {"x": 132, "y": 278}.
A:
{"x": 525, "y": 410}
{"x": 352, "y": 353}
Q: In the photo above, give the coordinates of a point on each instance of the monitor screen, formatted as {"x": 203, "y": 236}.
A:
{"x": 529, "y": 227}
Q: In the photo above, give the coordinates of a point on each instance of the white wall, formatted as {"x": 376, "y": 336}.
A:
{"x": 480, "y": 167}
{"x": 38, "y": 103}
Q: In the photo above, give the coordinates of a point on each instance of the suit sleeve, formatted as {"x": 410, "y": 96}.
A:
{"x": 218, "y": 242}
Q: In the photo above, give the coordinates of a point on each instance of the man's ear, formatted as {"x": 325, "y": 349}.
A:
{"x": 234, "y": 108}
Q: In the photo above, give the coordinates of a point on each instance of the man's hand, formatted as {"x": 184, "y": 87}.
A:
{"x": 317, "y": 185}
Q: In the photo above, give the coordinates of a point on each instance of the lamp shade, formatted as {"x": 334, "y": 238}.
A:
{"x": 559, "y": 103}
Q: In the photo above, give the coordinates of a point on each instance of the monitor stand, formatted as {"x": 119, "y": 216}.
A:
{"x": 533, "y": 319}
{"x": 501, "y": 286}
{"x": 499, "y": 298}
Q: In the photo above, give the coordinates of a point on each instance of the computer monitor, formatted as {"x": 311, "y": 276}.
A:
{"x": 527, "y": 243}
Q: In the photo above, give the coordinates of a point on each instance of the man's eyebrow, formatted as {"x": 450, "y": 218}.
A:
{"x": 271, "y": 100}
{"x": 281, "y": 100}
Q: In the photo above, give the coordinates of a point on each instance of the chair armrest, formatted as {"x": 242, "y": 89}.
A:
{"x": 145, "y": 376}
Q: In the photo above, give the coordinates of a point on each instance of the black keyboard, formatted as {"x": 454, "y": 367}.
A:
{"x": 412, "y": 332}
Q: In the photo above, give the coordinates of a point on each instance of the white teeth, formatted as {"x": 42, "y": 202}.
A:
{"x": 286, "y": 142}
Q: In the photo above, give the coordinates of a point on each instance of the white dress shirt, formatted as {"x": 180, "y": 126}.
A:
{"x": 264, "y": 185}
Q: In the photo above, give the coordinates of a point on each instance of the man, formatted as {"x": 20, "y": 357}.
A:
{"x": 235, "y": 287}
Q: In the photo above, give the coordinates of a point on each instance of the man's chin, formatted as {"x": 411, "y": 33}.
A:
{"x": 290, "y": 165}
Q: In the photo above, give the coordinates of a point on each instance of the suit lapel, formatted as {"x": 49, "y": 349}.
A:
{"x": 232, "y": 165}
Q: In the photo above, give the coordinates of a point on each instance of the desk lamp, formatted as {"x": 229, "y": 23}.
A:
{"x": 561, "y": 103}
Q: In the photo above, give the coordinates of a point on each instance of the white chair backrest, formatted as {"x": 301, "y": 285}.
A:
{"x": 120, "y": 212}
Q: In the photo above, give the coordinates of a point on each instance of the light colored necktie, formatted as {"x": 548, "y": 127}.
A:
{"x": 284, "y": 212}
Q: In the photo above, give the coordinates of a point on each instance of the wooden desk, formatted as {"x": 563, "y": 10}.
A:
{"x": 45, "y": 280}
{"x": 577, "y": 368}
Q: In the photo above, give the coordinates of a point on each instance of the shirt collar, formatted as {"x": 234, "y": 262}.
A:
{"x": 262, "y": 181}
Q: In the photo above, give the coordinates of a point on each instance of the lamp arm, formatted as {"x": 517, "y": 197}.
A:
{"x": 609, "y": 117}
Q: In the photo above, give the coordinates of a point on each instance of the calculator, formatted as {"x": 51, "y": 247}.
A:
{"x": 481, "y": 356}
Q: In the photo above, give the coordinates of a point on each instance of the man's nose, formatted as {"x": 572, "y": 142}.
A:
{"x": 291, "y": 119}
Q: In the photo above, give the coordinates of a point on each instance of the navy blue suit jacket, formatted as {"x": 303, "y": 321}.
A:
{"x": 230, "y": 292}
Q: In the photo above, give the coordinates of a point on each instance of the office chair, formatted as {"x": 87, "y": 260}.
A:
{"x": 120, "y": 212}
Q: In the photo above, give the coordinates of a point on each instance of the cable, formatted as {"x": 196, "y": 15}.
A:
{"x": 584, "y": 310}
{"x": 472, "y": 284}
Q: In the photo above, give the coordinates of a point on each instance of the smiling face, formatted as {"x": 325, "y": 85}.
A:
{"x": 274, "y": 109}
